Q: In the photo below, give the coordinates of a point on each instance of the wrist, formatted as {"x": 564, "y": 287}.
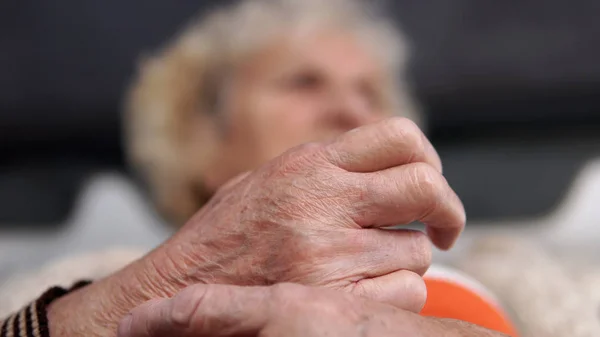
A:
{"x": 97, "y": 309}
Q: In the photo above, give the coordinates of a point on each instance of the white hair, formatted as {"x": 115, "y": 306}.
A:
{"x": 235, "y": 31}
{"x": 187, "y": 77}
{"x": 226, "y": 36}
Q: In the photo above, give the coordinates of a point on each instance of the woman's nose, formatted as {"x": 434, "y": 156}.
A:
{"x": 347, "y": 111}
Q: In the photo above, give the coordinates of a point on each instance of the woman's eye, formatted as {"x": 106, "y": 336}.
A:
{"x": 304, "y": 81}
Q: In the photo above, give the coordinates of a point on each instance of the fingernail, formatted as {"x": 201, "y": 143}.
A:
{"x": 125, "y": 326}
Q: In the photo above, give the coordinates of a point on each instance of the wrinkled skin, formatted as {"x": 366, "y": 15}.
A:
{"x": 313, "y": 216}
{"x": 282, "y": 310}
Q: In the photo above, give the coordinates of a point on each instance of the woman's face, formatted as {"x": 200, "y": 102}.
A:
{"x": 296, "y": 91}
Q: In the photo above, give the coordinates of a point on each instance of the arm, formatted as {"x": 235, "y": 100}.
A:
{"x": 101, "y": 304}
{"x": 283, "y": 310}
{"x": 346, "y": 190}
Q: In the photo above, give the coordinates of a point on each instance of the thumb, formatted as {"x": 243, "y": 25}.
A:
{"x": 403, "y": 289}
{"x": 198, "y": 311}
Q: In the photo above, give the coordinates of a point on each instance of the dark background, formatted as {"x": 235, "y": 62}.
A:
{"x": 511, "y": 89}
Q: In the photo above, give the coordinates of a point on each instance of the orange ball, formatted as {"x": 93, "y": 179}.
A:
{"x": 451, "y": 294}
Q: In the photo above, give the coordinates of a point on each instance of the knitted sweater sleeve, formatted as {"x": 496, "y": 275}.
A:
{"x": 31, "y": 320}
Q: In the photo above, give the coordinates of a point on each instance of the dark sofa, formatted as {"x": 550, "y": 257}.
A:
{"x": 511, "y": 90}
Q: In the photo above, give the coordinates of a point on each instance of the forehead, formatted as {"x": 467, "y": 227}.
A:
{"x": 331, "y": 51}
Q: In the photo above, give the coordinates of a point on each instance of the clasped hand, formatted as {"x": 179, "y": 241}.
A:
{"x": 312, "y": 216}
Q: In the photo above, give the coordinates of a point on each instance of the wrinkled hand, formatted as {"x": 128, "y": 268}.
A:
{"x": 282, "y": 310}
{"x": 311, "y": 216}
{"x": 314, "y": 216}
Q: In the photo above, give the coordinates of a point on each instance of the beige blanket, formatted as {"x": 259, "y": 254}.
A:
{"x": 547, "y": 297}
{"x": 25, "y": 287}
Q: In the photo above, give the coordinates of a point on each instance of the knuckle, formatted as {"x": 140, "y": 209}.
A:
{"x": 297, "y": 158}
{"x": 429, "y": 182}
{"x": 304, "y": 151}
{"x": 406, "y": 130}
{"x": 187, "y": 302}
{"x": 310, "y": 147}
{"x": 400, "y": 123}
{"x": 421, "y": 251}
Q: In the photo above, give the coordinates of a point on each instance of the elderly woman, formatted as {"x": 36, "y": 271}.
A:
{"x": 250, "y": 81}
{"x": 232, "y": 94}
{"x": 236, "y": 89}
